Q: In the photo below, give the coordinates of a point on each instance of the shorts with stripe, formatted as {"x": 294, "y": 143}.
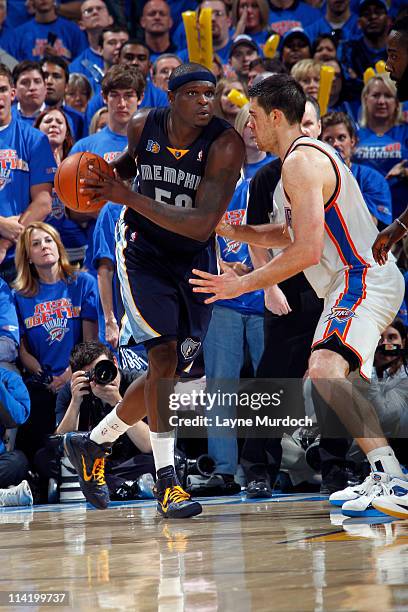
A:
{"x": 157, "y": 297}
{"x": 360, "y": 304}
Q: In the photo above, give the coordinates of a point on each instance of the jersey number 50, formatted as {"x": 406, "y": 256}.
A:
{"x": 165, "y": 197}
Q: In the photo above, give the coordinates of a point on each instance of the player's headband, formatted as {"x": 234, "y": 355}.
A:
{"x": 198, "y": 75}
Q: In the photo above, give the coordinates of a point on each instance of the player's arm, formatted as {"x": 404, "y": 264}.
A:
{"x": 214, "y": 193}
{"x": 308, "y": 227}
{"x": 265, "y": 236}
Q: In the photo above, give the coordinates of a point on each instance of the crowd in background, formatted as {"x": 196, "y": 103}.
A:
{"x": 72, "y": 74}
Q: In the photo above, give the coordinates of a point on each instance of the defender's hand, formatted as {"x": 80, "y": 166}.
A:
{"x": 223, "y": 287}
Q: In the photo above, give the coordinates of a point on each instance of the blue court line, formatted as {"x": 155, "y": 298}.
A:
{"x": 239, "y": 498}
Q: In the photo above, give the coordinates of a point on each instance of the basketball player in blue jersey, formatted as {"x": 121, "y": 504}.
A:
{"x": 328, "y": 234}
{"x": 187, "y": 162}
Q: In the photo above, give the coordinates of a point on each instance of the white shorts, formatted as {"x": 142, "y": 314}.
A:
{"x": 358, "y": 308}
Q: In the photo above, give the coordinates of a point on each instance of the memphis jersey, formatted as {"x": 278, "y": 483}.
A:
{"x": 170, "y": 176}
{"x": 349, "y": 228}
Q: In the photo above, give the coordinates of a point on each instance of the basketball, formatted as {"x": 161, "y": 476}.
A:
{"x": 67, "y": 180}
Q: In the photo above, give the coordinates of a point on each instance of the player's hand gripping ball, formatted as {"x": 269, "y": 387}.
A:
{"x": 67, "y": 181}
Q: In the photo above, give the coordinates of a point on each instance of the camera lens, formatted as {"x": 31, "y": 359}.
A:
{"x": 104, "y": 372}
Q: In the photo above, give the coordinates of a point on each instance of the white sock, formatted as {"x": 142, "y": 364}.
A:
{"x": 163, "y": 448}
{"x": 383, "y": 460}
{"x": 109, "y": 429}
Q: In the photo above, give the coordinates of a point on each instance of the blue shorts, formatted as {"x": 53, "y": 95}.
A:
{"x": 157, "y": 297}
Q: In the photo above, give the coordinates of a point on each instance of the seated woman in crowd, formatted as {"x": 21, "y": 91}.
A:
{"x": 223, "y": 107}
{"x": 251, "y": 17}
{"x": 79, "y": 92}
{"x": 254, "y": 158}
{"x": 324, "y": 48}
{"x": 71, "y": 226}
{"x": 56, "y": 306}
{"x": 307, "y": 73}
{"x": 383, "y": 139}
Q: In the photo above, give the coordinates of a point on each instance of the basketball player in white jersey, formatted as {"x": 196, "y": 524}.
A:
{"x": 328, "y": 234}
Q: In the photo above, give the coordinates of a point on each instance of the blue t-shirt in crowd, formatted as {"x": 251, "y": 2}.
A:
{"x": 31, "y": 38}
{"x": 90, "y": 64}
{"x": 248, "y": 303}
{"x": 8, "y": 315}
{"x": 251, "y": 169}
{"x": 108, "y": 145}
{"x": 104, "y": 248}
{"x": 382, "y": 153}
{"x": 51, "y": 321}
{"x": 26, "y": 160}
{"x": 73, "y": 236}
{"x": 348, "y": 31}
{"x": 153, "y": 97}
{"x": 299, "y": 15}
{"x": 375, "y": 190}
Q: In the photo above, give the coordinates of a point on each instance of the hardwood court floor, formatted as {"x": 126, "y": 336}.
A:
{"x": 292, "y": 553}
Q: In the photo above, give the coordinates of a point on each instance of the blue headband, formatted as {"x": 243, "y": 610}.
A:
{"x": 198, "y": 75}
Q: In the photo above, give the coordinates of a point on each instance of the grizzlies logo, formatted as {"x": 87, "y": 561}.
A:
{"x": 189, "y": 348}
{"x": 152, "y": 146}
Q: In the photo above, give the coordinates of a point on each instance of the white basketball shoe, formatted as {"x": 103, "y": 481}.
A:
{"x": 17, "y": 496}
{"x": 395, "y": 502}
{"x": 356, "y": 501}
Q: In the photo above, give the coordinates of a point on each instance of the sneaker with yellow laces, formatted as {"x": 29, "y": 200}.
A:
{"x": 172, "y": 500}
{"x": 88, "y": 459}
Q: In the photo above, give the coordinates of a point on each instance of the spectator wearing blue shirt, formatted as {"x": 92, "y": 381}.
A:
{"x": 288, "y": 14}
{"x": 339, "y": 19}
{"x": 254, "y": 158}
{"x": 362, "y": 53}
{"x": 133, "y": 53}
{"x": 70, "y": 225}
{"x": 5, "y": 29}
{"x": 56, "y": 75}
{"x": 95, "y": 17}
{"x": 295, "y": 46}
{"x": 162, "y": 69}
{"x": 30, "y": 91}
{"x": 9, "y": 330}
{"x": 383, "y": 139}
{"x": 46, "y": 33}
{"x": 26, "y": 176}
{"x": 56, "y": 306}
{"x": 221, "y": 28}
{"x": 324, "y": 47}
{"x": 156, "y": 22}
{"x": 78, "y": 92}
{"x": 339, "y": 131}
{"x": 14, "y": 410}
{"x": 122, "y": 88}
{"x": 235, "y": 323}
{"x": 243, "y": 51}
{"x": 111, "y": 40}
{"x": 251, "y": 18}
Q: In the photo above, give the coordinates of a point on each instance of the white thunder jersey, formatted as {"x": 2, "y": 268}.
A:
{"x": 361, "y": 297}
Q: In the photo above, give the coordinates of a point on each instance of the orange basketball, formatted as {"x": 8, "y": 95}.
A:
{"x": 69, "y": 173}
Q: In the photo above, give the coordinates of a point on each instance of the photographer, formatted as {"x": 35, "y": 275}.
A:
{"x": 96, "y": 386}
{"x": 389, "y": 384}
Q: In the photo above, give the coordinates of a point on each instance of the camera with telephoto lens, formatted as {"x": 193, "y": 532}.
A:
{"x": 103, "y": 373}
